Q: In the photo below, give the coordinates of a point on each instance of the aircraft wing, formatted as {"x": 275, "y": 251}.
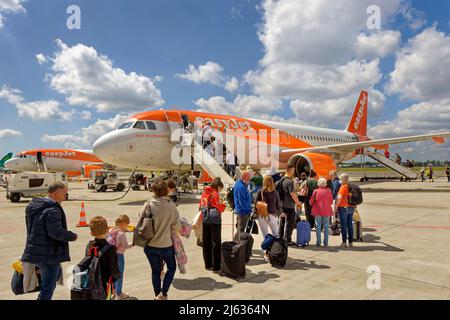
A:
{"x": 380, "y": 143}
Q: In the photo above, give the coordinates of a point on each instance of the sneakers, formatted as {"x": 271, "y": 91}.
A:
{"x": 350, "y": 244}
{"x": 317, "y": 244}
{"x": 122, "y": 296}
{"x": 343, "y": 244}
{"x": 161, "y": 297}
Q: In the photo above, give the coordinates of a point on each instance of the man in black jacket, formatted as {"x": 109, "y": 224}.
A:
{"x": 48, "y": 239}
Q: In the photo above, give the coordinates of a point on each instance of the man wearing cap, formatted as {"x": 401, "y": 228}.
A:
{"x": 242, "y": 200}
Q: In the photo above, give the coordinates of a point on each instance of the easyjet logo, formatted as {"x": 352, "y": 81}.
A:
{"x": 360, "y": 112}
{"x": 226, "y": 123}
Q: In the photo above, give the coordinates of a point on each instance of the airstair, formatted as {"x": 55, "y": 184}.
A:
{"x": 405, "y": 172}
{"x": 40, "y": 162}
{"x": 183, "y": 139}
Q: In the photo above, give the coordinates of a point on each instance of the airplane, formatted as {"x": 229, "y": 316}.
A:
{"x": 146, "y": 140}
{"x": 72, "y": 162}
{"x": 4, "y": 159}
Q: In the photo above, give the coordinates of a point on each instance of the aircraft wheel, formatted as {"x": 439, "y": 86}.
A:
{"x": 15, "y": 197}
{"x": 120, "y": 187}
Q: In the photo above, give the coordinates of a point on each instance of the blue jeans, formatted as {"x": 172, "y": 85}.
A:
{"x": 154, "y": 256}
{"x": 346, "y": 220}
{"x": 118, "y": 284}
{"x": 50, "y": 274}
{"x": 325, "y": 221}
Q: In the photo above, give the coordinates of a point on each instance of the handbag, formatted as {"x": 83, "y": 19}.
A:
{"x": 210, "y": 214}
{"x": 261, "y": 207}
{"x": 145, "y": 229}
{"x": 252, "y": 227}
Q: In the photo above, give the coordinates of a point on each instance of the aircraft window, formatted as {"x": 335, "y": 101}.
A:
{"x": 139, "y": 125}
{"x": 151, "y": 125}
{"x": 125, "y": 125}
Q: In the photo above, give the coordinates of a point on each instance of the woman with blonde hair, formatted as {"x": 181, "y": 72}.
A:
{"x": 321, "y": 203}
{"x": 269, "y": 195}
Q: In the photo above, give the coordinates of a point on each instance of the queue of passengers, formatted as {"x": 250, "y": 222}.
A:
{"x": 47, "y": 243}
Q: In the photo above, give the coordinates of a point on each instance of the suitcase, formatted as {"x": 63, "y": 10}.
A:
{"x": 278, "y": 252}
{"x": 247, "y": 240}
{"x": 357, "y": 227}
{"x": 303, "y": 233}
{"x": 233, "y": 258}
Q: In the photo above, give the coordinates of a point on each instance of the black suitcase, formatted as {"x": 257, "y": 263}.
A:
{"x": 233, "y": 259}
{"x": 247, "y": 240}
{"x": 278, "y": 252}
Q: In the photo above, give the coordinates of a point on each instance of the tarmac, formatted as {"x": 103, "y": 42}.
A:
{"x": 406, "y": 227}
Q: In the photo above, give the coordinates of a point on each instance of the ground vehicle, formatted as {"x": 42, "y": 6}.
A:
{"x": 107, "y": 179}
{"x": 138, "y": 180}
{"x": 29, "y": 184}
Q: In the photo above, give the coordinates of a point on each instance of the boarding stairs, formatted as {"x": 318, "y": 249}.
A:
{"x": 40, "y": 161}
{"x": 403, "y": 171}
{"x": 184, "y": 140}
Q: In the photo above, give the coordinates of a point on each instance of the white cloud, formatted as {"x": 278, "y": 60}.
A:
{"x": 232, "y": 84}
{"x": 89, "y": 79}
{"x": 334, "y": 111}
{"x": 8, "y": 133}
{"x": 36, "y": 110}
{"x": 377, "y": 44}
{"x": 422, "y": 68}
{"x": 87, "y": 135}
{"x": 242, "y": 105}
{"x": 415, "y": 18}
{"x": 10, "y": 6}
{"x": 319, "y": 54}
{"x": 211, "y": 72}
{"x": 41, "y": 58}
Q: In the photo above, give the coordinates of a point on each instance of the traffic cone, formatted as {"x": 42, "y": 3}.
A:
{"x": 82, "y": 222}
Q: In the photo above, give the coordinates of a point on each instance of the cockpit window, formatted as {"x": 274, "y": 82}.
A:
{"x": 151, "y": 125}
{"x": 139, "y": 125}
{"x": 125, "y": 125}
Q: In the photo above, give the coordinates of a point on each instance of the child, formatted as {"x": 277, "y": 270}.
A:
{"x": 118, "y": 238}
{"x": 108, "y": 262}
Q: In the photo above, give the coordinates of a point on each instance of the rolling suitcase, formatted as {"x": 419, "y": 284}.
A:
{"x": 278, "y": 252}
{"x": 303, "y": 233}
{"x": 357, "y": 227}
{"x": 247, "y": 240}
{"x": 233, "y": 258}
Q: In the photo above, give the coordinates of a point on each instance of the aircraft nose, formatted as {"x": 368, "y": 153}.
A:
{"x": 105, "y": 148}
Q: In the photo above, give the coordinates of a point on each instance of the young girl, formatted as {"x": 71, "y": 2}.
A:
{"x": 118, "y": 238}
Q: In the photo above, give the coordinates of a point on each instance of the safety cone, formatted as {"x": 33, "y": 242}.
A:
{"x": 82, "y": 222}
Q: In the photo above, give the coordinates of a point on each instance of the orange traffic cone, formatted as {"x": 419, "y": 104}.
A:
{"x": 82, "y": 222}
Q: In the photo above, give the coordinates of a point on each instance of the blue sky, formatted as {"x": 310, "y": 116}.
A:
{"x": 163, "y": 38}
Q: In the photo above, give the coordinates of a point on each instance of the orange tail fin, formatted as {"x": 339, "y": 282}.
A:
{"x": 358, "y": 122}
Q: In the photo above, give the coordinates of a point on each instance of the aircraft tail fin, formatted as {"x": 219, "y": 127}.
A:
{"x": 358, "y": 121}
{"x": 4, "y": 159}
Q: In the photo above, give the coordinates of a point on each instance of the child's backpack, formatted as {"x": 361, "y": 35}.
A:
{"x": 87, "y": 281}
{"x": 355, "y": 195}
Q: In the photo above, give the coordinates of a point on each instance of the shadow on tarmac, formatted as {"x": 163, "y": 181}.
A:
{"x": 202, "y": 283}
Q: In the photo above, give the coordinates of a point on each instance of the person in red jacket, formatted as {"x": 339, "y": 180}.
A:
{"x": 212, "y": 227}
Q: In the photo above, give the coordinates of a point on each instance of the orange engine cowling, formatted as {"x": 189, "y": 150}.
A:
{"x": 86, "y": 170}
{"x": 322, "y": 164}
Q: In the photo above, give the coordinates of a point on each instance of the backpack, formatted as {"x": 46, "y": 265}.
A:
{"x": 230, "y": 197}
{"x": 87, "y": 281}
{"x": 311, "y": 185}
{"x": 279, "y": 188}
{"x": 354, "y": 195}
